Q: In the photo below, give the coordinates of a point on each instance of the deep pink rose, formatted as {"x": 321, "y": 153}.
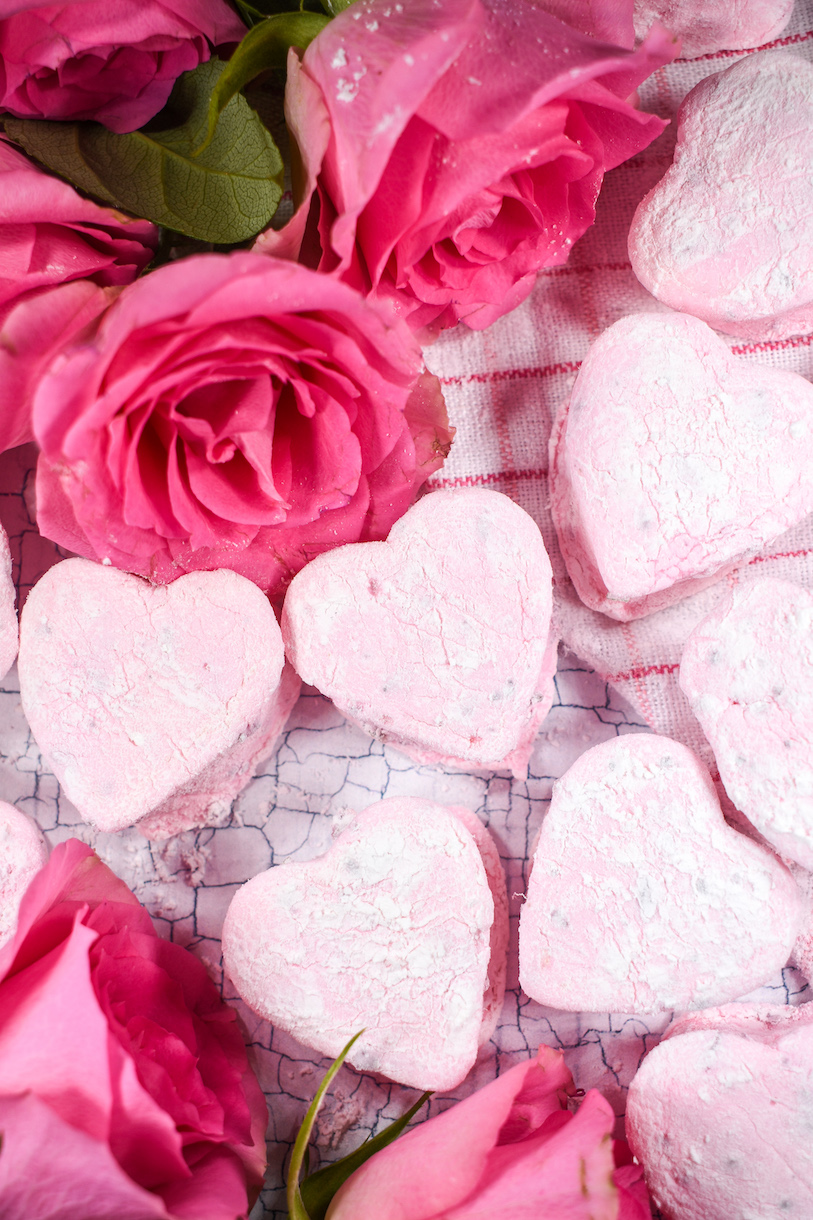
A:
{"x": 125, "y": 1088}
{"x": 62, "y": 259}
{"x": 455, "y": 147}
{"x": 511, "y": 1151}
{"x": 235, "y": 411}
{"x": 112, "y": 62}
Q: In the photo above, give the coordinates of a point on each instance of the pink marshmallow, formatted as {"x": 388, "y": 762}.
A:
{"x": 9, "y": 632}
{"x": 401, "y": 928}
{"x": 719, "y": 1114}
{"x": 23, "y": 852}
{"x": 641, "y": 898}
{"x": 724, "y": 25}
{"x": 153, "y": 705}
{"x": 726, "y": 234}
{"x": 747, "y": 671}
{"x": 802, "y": 956}
{"x": 672, "y": 462}
{"x": 437, "y": 641}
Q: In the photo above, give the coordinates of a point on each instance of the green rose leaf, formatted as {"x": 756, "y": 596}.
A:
{"x": 226, "y": 194}
{"x": 334, "y": 7}
{"x": 265, "y": 46}
{"x": 256, "y": 10}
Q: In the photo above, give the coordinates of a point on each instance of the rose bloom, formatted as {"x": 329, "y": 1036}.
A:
{"x": 125, "y": 1088}
{"x": 62, "y": 259}
{"x": 115, "y": 63}
{"x": 510, "y": 1151}
{"x": 455, "y": 147}
{"x": 234, "y": 411}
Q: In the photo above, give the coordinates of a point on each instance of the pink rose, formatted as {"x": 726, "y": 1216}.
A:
{"x": 509, "y": 1151}
{"x": 115, "y": 63}
{"x": 62, "y": 259}
{"x": 456, "y": 147}
{"x": 125, "y": 1088}
{"x": 235, "y": 411}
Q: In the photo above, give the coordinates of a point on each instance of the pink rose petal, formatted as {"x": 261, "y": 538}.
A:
{"x": 118, "y": 1045}
{"x": 235, "y": 412}
{"x": 411, "y": 1179}
{"x": 86, "y": 59}
{"x": 455, "y": 148}
{"x": 49, "y": 1168}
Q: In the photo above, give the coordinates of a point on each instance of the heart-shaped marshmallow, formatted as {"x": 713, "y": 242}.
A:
{"x": 147, "y": 700}
{"x": 747, "y": 671}
{"x": 672, "y": 461}
{"x": 401, "y": 927}
{"x": 437, "y": 641}
{"x": 641, "y": 898}
{"x": 704, "y": 28}
{"x": 23, "y": 853}
{"x": 9, "y": 632}
{"x": 726, "y": 234}
{"x": 802, "y": 956}
{"x": 720, "y": 1113}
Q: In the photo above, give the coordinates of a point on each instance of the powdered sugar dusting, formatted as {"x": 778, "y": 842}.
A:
{"x": 641, "y": 898}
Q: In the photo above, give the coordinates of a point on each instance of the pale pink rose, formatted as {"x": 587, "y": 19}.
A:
{"x": 125, "y": 1088}
{"x": 112, "y": 62}
{"x": 235, "y": 411}
{"x": 62, "y": 260}
{"x": 455, "y": 147}
{"x": 511, "y": 1151}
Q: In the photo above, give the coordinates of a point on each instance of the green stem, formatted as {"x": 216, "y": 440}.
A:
{"x": 296, "y": 1208}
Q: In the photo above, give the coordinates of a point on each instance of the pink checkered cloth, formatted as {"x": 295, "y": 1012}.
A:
{"x": 503, "y": 387}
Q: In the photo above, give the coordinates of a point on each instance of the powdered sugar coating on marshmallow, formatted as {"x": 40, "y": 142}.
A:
{"x": 401, "y": 927}
{"x": 206, "y": 799}
{"x": 9, "y": 632}
{"x": 151, "y": 700}
{"x": 747, "y": 671}
{"x": 437, "y": 641}
{"x": 673, "y": 461}
{"x": 726, "y": 234}
{"x": 724, "y": 25}
{"x": 23, "y": 853}
{"x": 802, "y": 956}
{"x": 641, "y": 897}
{"x": 719, "y": 1114}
